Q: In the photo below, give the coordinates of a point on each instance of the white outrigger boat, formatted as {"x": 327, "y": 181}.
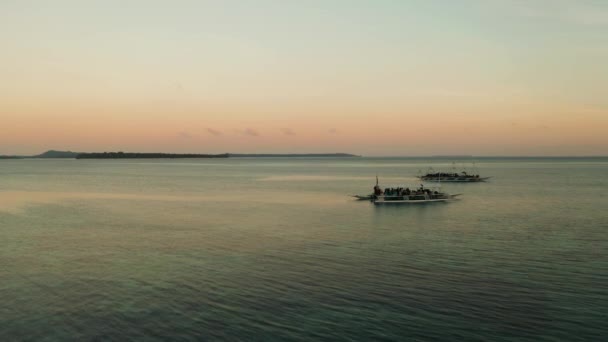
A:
{"x": 401, "y": 195}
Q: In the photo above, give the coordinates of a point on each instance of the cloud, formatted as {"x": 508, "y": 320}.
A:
{"x": 333, "y": 131}
{"x": 288, "y": 131}
{"x": 251, "y": 132}
{"x": 214, "y": 132}
{"x": 184, "y": 135}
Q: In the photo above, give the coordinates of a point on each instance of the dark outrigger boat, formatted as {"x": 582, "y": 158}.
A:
{"x": 452, "y": 177}
{"x": 462, "y": 177}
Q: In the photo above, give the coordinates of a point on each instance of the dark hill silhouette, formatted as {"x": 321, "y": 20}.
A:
{"x": 57, "y": 154}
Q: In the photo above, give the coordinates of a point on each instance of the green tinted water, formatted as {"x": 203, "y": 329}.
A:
{"x": 273, "y": 249}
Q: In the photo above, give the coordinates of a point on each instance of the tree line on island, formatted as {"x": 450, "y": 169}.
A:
{"x": 137, "y": 155}
{"x": 119, "y": 155}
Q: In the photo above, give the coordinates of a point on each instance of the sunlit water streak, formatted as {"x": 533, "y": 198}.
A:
{"x": 273, "y": 249}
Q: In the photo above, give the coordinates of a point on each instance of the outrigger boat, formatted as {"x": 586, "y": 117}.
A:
{"x": 407, "y": 196}
{"x": 452, "y": 177}
{"x": 462, "y": 177}
{"x": 401, "y": 195}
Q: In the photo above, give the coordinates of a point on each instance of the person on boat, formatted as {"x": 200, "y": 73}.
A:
{"x": 377, "y": 190}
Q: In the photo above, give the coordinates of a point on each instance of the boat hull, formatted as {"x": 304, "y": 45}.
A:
{"x": 454, "y": 180}
{"x": 382, "y": 200}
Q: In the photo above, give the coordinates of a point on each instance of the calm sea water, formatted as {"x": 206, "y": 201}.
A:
{"x": 273, "y": 249}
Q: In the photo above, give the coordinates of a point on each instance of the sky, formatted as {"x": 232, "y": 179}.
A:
{"x": 376, "y": 77}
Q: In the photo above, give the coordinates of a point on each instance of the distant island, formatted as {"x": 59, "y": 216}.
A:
{"x": 129, "y": 155}
{"x": 137, "y": 155}
{"x": 134, "y": 155}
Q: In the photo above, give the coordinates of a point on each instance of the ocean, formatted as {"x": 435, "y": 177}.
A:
{"x": 273, "y": 249}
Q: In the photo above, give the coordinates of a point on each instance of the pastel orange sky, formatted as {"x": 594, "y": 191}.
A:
{"x": 367, "y": 77}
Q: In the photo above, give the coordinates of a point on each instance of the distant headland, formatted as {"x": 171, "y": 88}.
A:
{"x": 139, "y": 155}
{"x": 47, "y": 154}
